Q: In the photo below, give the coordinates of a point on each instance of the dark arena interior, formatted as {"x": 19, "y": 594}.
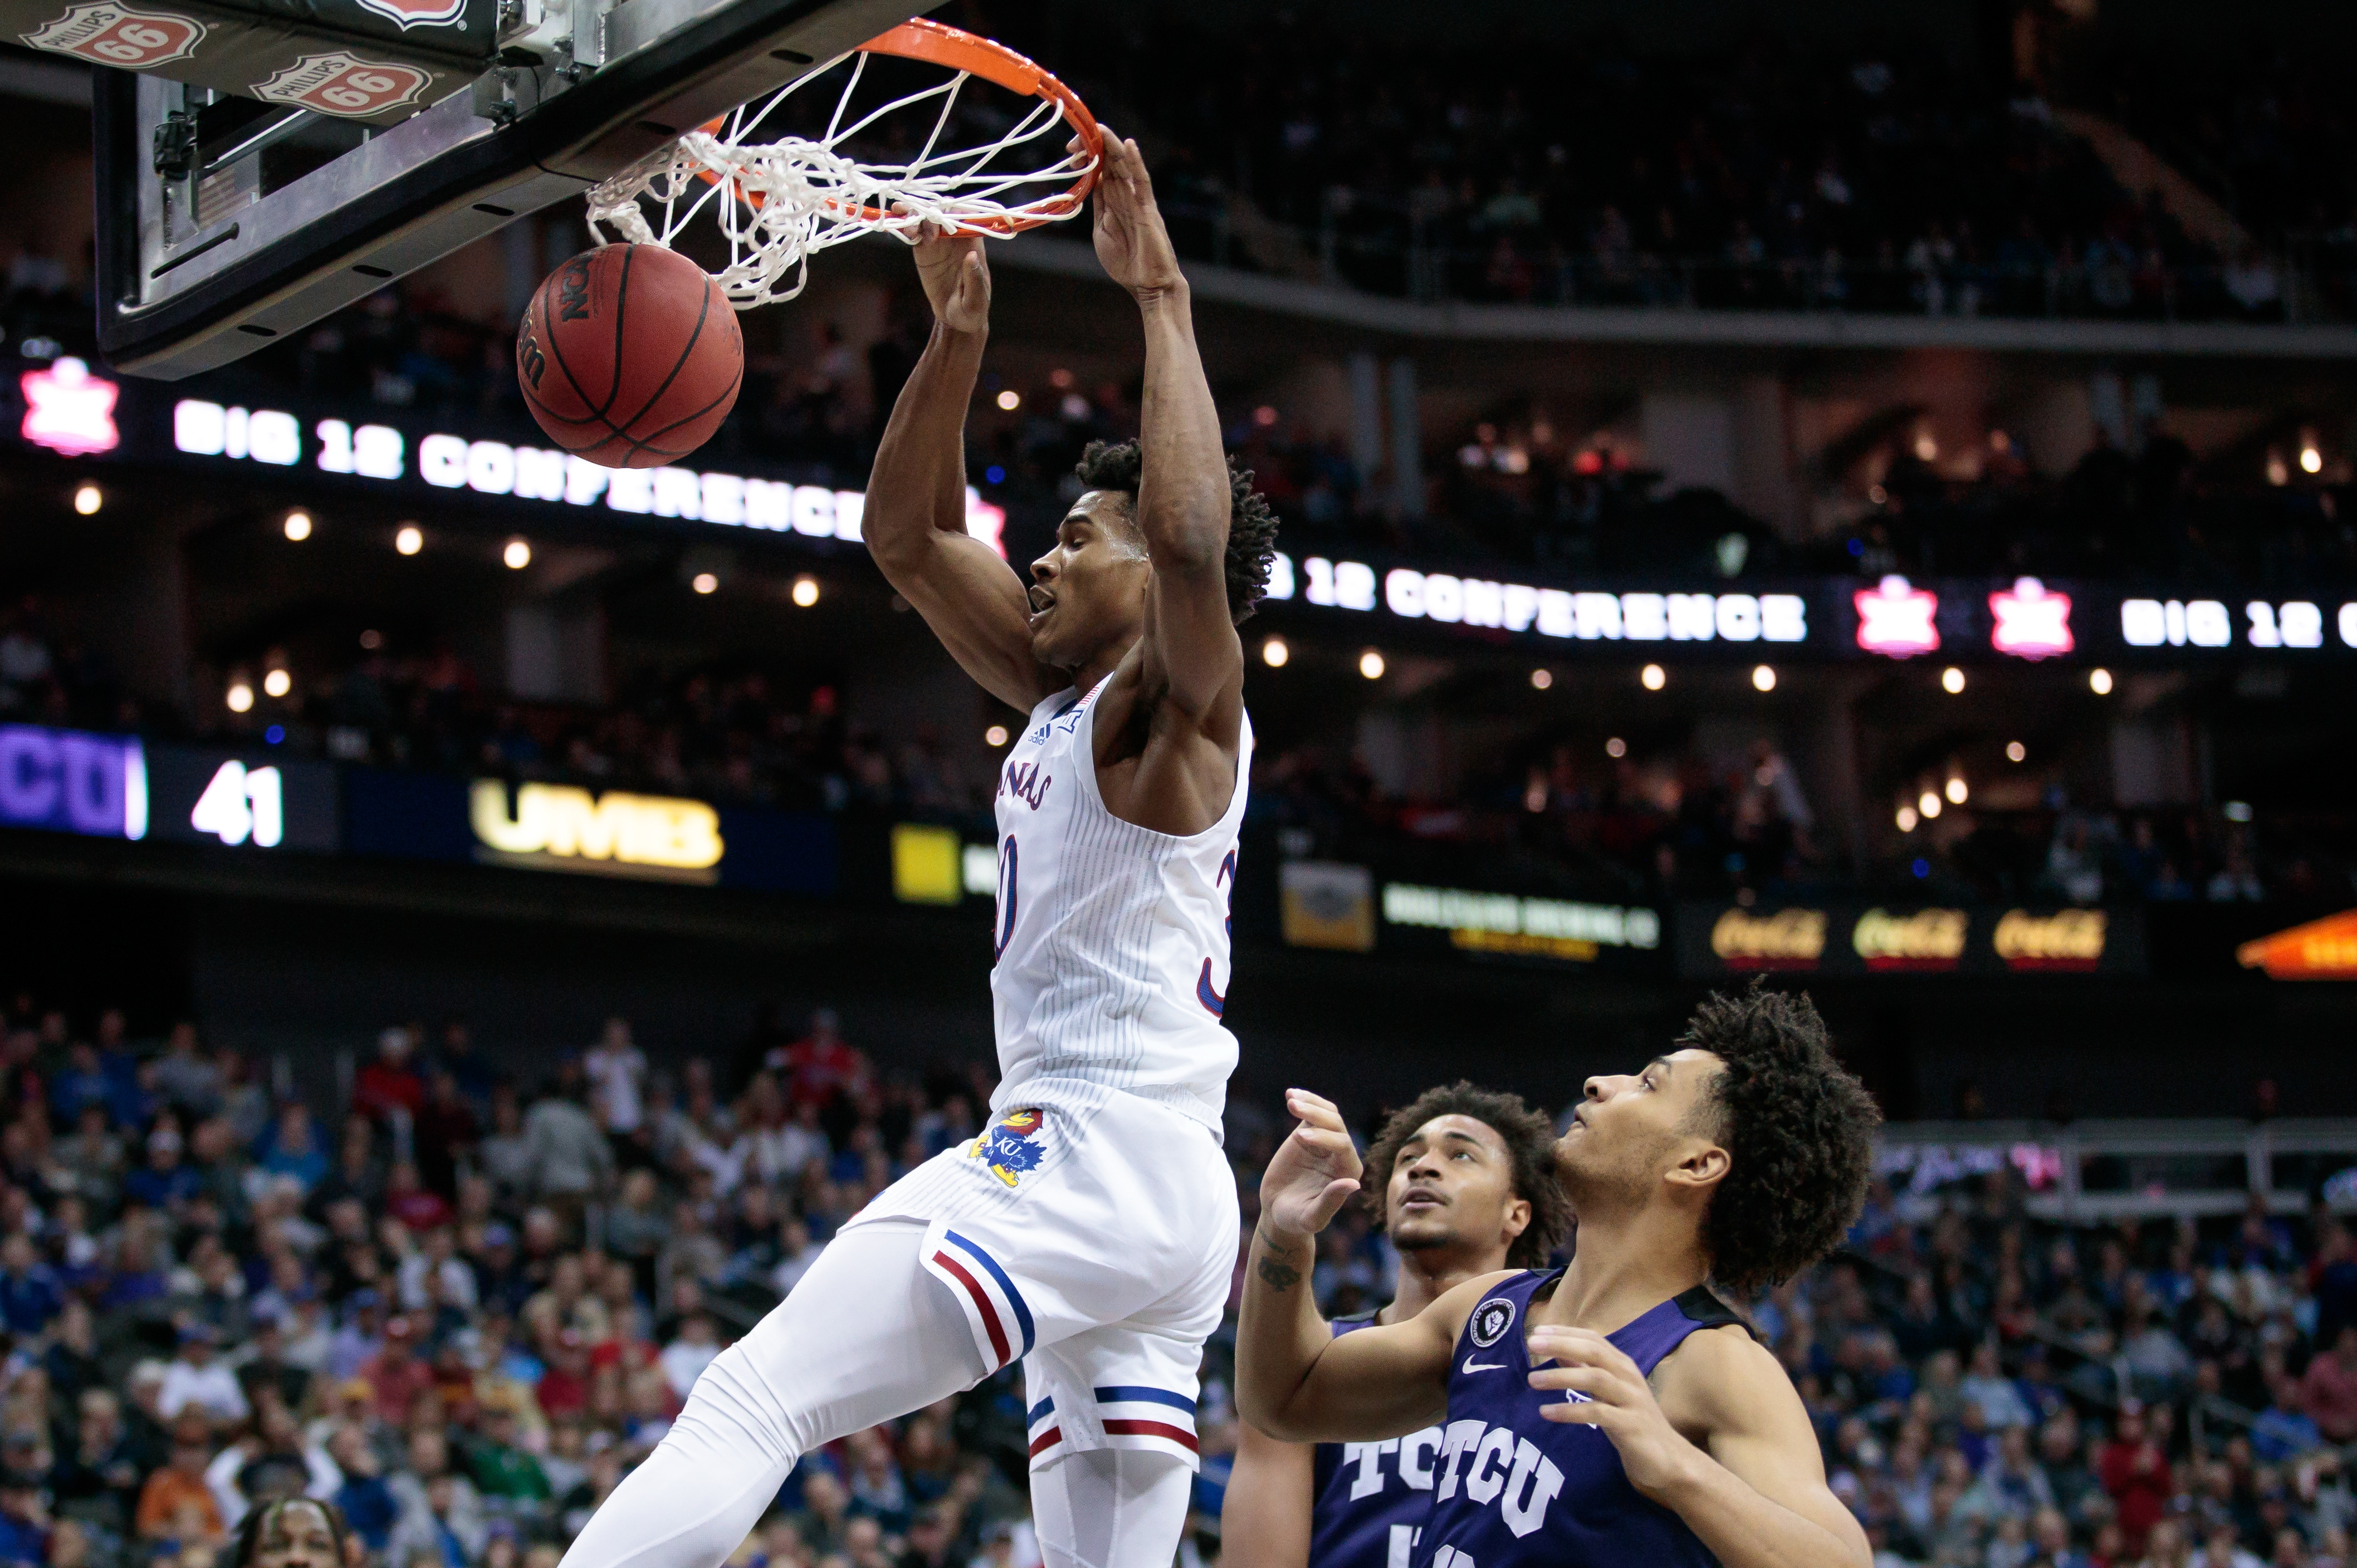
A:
{"x": 1849, "y": 494}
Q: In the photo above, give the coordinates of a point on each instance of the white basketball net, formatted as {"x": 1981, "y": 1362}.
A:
{"x": 779, "y": 201}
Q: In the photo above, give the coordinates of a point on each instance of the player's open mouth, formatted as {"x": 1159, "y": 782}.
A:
{"x": 1420, "y": 1199}
{"x": 1042, "y": 601}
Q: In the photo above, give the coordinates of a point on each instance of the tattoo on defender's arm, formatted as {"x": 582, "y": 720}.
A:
{"x": 1279, "y": 1274}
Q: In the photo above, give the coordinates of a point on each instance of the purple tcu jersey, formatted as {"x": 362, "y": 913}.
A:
{"x": 1368, "y": 1499}
{"x": 1516, "y": 1487}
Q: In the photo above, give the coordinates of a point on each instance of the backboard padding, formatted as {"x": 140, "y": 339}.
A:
{"x": 431, "y": 184}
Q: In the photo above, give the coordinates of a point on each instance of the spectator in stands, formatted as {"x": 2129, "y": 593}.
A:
{"x": 504, "y": 1153}
{"x": 2328, "y": 1391}
{"x": 290, "y": 1148}
{"x": 459, "y": 1057}
{"x": 23, "y": 1518}
{"x": 501, "y": 1467}
{"x": 617, "y": 1071}
{"x": 188, "y": 1081}
{"x": 365, "y": 1500}
{"x": 2136, "y": 1472}
{"x": 684, "y": 1359}
{"x": 395, "y": 1376}
{"x": 28, "y": 1288}
{"x": 821, "y": 1065}
{"x": 567, "y": 1159}
{"x": 197, "y": 1379}
{"x": 164, "y": 1182}
{"x": 175, "y": 1504}
{"x": 81, "y": 1082}
{"x": 446, "y": 1133}
{"x": 391, "y": 1083}
{"x": 1987, "y": 1386}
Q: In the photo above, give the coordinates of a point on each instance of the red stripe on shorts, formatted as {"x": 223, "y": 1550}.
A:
{"x": 982, "y": 1300}
{"x": 1046, "y": 1441}
{"x": 1178, "y": 1434}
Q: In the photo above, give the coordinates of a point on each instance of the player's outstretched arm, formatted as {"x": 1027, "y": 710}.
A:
{"x": 1193, "y": 657}
{"x": 1264, "y": 1517}
{"x": 1295, "y": 1380}
{"x": 1751, "y": 1484}
{"x": 914, "y": 521}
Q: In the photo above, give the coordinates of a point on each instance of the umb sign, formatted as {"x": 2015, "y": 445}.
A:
{"x": 2320, "y": 950}
{"x": 558, "y": 827}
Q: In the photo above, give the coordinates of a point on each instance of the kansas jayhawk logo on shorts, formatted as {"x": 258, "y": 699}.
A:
{"x": 1011, "y": 1145}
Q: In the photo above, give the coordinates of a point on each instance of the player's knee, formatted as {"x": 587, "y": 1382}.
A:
{"x": 732, "y": 1407}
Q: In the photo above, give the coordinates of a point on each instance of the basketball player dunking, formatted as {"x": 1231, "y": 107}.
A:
{"x": 1471, "y": 1190}
{"x": 1090, "y": 1230}
{"x": 1614, "y": 1412}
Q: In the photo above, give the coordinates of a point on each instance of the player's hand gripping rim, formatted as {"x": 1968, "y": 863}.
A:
{"x": 1615, "y": 1399}
{"x": 1133, "y": 245}
{"x": 955, "y": 273}
{"x": 1313, "y": 1173}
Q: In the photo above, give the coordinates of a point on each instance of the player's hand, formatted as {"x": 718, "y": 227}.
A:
{"x": 1314, "y": 1171}
{"x": 1133, "y": 246}
{"x": 1619, "y": 1403}
{"x": 956, "y": 276}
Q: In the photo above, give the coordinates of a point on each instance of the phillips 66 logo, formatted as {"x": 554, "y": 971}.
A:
{"x": 107, "y": 34}
{"x": 345, "y": 84}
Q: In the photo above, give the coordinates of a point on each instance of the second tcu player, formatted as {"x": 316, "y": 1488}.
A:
{"x": 1614, "y": 1412}
{"x": 1090, "y": 1230}
{"x": 1471, "y": 1190}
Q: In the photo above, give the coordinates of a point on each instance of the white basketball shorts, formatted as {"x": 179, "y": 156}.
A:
{"x": 1099, "y": 1247}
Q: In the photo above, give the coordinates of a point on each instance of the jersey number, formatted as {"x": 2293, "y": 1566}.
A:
{"x": 1213, "y": 1002}
{"x": 1006, "y": 867}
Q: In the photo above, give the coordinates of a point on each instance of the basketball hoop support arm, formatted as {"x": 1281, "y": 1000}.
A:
{"x": 560, "y": 108}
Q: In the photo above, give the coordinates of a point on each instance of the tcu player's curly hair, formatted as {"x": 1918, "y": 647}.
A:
{"x": 1799, "y": 1132}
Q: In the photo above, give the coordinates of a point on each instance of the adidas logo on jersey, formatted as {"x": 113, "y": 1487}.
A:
{"x": 1500, "y": 1469}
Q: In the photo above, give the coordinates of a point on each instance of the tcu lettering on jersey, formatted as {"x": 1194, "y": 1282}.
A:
{"x": 1499, "y": 1469}
{"x": 1411, "y": 1459}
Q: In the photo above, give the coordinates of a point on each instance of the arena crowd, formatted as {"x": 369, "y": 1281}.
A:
{"x": 462, "y": 1303}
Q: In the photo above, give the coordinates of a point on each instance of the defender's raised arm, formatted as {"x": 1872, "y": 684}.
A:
{"x": 1295, "y": 1380}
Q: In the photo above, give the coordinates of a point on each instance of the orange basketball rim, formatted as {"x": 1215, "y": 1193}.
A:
{"x": 953, "y": 48}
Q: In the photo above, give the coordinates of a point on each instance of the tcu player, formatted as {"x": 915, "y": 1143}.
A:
{"x": 1090, "y": 1230}
{"x": 1614, "y": 1412}
{"x": 1471, "y": 1191}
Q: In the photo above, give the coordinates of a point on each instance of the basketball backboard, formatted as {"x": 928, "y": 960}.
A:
{"x": 227, "y": 219}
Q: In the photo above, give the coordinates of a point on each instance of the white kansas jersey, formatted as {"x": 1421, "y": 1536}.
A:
{"x": 1111, "y": 946}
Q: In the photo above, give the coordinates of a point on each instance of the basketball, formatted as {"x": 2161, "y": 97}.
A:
{"x": 629, "y": 355}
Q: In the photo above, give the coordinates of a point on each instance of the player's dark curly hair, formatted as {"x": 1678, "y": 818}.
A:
{"x": 247, "y": 1543}
{"x": 1799, "y": 1132}
{"x": 1529, "y": 1138}
{"x": 1252, "y": 526}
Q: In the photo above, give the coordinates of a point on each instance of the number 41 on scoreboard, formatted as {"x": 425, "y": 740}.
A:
{"x": 242, "y": 804}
